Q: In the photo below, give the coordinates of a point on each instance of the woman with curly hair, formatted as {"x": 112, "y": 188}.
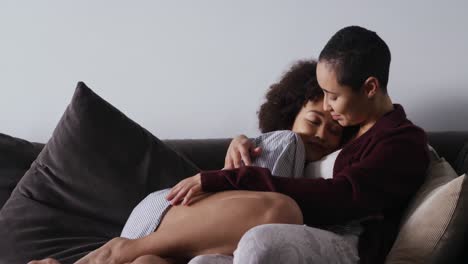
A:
{"x": 296, "y": 129}
{"x": 295, "y": 104}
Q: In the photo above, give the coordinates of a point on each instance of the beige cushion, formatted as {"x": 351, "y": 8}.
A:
{"x": 433, "y": 225}
{"x": 439, "y": 173}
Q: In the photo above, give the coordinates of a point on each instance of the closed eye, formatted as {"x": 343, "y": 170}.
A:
{"x": 315, "y": 123}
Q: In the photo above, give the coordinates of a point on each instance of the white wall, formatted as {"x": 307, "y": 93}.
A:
{"x": 199, "y": 69}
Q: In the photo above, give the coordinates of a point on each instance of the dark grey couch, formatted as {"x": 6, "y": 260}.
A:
{"x": 16, "y": 155}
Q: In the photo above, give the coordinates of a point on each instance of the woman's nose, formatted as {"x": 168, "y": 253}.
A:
{"x": 326, "y": 105}
{"x": 320, "y": 133}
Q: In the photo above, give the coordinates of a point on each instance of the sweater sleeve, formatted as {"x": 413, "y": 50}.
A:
{"x": 383, "y": 180}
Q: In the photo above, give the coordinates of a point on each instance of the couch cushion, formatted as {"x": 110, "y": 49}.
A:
{"x": 16, "y": 155}
{"x": 434, "y": 223}
{"x": 81, "y": 188}
{"x": 461, "y": 164}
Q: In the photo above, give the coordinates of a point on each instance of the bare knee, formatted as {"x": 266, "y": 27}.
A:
{"x": 150, "y": 259}
{"x": 282, "y": 209}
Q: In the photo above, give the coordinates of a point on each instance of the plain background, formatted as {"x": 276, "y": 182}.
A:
{"x": 200, "y": 69}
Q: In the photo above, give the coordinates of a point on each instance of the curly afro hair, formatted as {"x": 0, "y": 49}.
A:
{"x": 286, "y": 98}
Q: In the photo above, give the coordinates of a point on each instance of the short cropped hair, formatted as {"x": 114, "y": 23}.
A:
{"x": 356, "y": 53}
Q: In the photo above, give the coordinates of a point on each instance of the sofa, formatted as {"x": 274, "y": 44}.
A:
{"x": 16, "y": 155}
{"x": 51, "y": 195}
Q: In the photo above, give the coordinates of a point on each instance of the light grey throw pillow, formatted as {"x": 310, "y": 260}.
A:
{"x": 433, "y": 225}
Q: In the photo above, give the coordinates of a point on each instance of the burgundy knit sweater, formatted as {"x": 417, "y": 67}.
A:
{"x": 374, "y": 177}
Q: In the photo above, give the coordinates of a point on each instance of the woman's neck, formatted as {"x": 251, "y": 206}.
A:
{"x": 382, "y": 106}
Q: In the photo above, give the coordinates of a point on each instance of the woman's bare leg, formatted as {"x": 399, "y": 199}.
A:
{"x": 215, "y": 223}
{"x": 152, "y": 259}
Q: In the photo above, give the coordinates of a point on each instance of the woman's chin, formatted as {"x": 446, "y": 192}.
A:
{"x": 346, "y": 123}
{"x": 342, "y": 122}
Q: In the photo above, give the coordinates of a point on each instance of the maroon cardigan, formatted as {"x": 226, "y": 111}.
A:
{"x": 374, "y": 177}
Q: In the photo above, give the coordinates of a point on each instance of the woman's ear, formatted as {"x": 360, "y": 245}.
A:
{"x": 371, "y": 86}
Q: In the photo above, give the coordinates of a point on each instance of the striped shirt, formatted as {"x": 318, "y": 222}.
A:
{"x": 283, "y": 152}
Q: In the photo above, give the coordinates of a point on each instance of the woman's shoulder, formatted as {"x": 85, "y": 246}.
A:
{"x": 282, "y": 152}
{"x": 278, "y": 136}
{"x": 405, "y": 130}
{"x": 397, "y": 125}
{"x": 403, "y": 136}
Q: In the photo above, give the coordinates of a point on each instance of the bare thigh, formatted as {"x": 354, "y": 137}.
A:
{"x": 215, "y": 222}
{"x": 152, "y": 259}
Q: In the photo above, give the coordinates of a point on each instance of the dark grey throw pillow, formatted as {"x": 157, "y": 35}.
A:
{"x": 16, "y": 156}
{"x": 80, "y": 190}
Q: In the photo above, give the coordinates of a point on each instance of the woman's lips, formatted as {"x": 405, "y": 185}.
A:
{"x": 336, "y": 117}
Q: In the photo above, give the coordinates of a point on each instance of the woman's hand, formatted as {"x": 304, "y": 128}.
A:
{"x": 240, "y": 150}
{"x": 186, "y": 189}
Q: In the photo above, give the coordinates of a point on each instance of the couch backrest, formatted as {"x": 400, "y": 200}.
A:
{"x": 208, "y": 154}
{"x": 453, "y": 146}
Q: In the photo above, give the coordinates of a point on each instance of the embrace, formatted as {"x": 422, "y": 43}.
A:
{"x": 336, "y": 109}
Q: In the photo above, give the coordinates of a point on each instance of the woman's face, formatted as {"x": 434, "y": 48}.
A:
{"x": 320, "y": 133}
{"x": 347, "y": 107}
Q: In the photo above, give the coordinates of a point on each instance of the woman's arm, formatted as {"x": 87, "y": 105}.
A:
{"x": 322, "y": 201}
{"x": 384, "y": 180}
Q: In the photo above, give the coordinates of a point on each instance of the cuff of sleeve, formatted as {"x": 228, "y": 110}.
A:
{"x": 213, "y": 181}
